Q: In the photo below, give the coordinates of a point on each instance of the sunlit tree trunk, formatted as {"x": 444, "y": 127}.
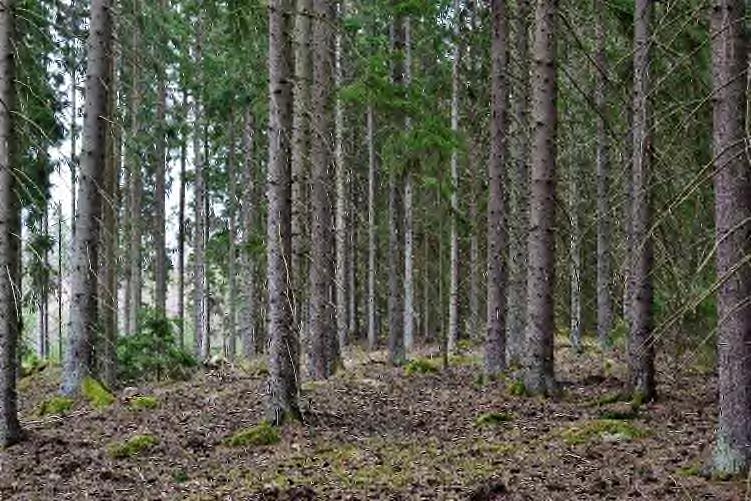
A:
{"x": 409, "y": 258}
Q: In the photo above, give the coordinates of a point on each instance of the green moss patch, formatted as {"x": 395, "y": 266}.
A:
{"x": 143, "y": 402}
{"x": 55, "y": 406}
{"x": 493, "y": 418}
{"x": 132, "y": 447}
{"x": 605, "y": 430}
{"x": 255, "y": 436}
{"x": 517, "y": 388}
{"x": 96, "y": 394}
{"x": 421, "y": 366}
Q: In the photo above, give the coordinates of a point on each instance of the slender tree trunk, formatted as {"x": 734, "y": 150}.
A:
{"x": 732, "y": 183}
{"x": 231, "y": 344}
{"x": 248, "y": 256}
{"x": 160, "y": 294}
{"x": 60, "y": 282}
{"x": 473, "y": 322}
{"x": 136, "y": 183}
{"x": 83, "y": 307}
{"x": 409, "y": 258}
{"x": 43, "y": 340}
{"x": 200, "y": 295}
{"x": 575, "y": 260}
{"x": 372, "y": 332}
{"x": 519, "y": 190}
{"x": 604, "y": 279}
{"x": 641, "y": 343}
{"x": 426, "y": 285}
{"x": 10, "y": 223}
{"x": 73, "y": 127}
{"x": 453, "y": 332}
{"x": 539, "y": 377}
{"x": 342, "y": 284}
{"x": 283, "y": 346}
{"x": 396, "y": 263}
{"x": 181, "y": 232}
{"x": 495, "y": 342}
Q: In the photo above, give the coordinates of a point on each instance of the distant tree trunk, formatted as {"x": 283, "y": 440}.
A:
{"x": 342, "y": 284}
{"x": 426, "y": 286}
{"x": 160, "y": 293}
{"x": 453, "y": 332}
{"x": 641, "y": 343}
{"x": 231, "y": 343}
{"x": 396, "y": 267}
{"x": 473, "y": 322}
{"x": 372, "y": 332}
{"x": 732, "y": 184}
{"x": 283, "y": 346}
{"x": 519, "y": 190}
{"x": 495, "y": 342}
{"x": 539, "y": 377}
{"x": 73, "y": 127}
{"x": 604, "y": 279}
{"x": 43, "y": 340}
{"x": 575, "y": 260}
{"x": 301, "y": 163}
{"x": 60, "y": 282}
{"x": 136, "y": 183}
{"x": 409, "y": 258}
{"x": 181, "y": 232}
{"x": 200, "y": 296}
{"x": 83, "y": 307}
{"x": 248, "y": 256}
{"x": 10, "y": 223}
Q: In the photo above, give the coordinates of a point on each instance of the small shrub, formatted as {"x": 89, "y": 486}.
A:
{"x": 420, "y": 366}
{"x": 493, "y": 418}
{"x": 517, "y": 388}
{"x": 255, "y": 436}
{"x": 132, "y": 447}
{"x": 56, "y": 405}
{"x": 142, "y": 402}
{"x": 96, "y": 394}
{"x": 606, "y": 430}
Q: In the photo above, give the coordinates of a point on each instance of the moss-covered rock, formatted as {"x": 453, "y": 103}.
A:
{"x": 605, "y": 430}
{"x": 56, "y": 405}
{"x": 132, "y": 447}
{"x": 255, "y": 436}
{"x": 493, "y": 418}
{"x": 421, "y": 366}
{"x": 143, "y": 402}
{"x": 96, "y": 393}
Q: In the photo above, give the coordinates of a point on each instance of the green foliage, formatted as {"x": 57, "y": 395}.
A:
{"x": 606, "y": 430}
{"x": 420, "y": 366}
{"x": 56, "y": 405}
{"x": 152, "y": 352}
{"x": 493, "y": 418}
{"x": 517, "y": 388}
{"x": 97, "y": 395}
{"x": 255, "y": 436}
{"x": 142, "y": 402}
{"x": 132, "y": 447}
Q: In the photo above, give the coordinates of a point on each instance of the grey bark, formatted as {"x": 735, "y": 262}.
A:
{"x": 342, "y": 283}
{"x": 409, "y": 258}
{"x": 453, "y": 332}
{"x": 230, "y": 345}
{"x": 283, "y": 345}
{"x": 641, "y": 344}
{"x": 539, "y": 364}
{"x": 248, "y": 298}
{"x": 200, "y": 295}
{"x": 495, "y": 340}
{"x": 732, "y": 184}
{"x": 160, "y": 275}
{"x": 83, "y": 306}
{"x": 372, "y": 332}
{"x": 136, "y": 181}
{"x": 181, "y": 232}
{"x": 575, "y": 259}
{"x": 10, "y": 224}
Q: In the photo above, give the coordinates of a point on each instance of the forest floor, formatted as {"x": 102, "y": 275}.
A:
{"x": 374, "y": 432}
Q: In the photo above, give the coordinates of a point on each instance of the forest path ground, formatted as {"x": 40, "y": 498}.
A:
{"x": 373, "y": 432}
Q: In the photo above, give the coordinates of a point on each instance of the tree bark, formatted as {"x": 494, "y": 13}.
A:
{"x": 230, "y": 345}
{"x": 575, "y": 259}
{"x": 453, "y": 332}
{"x": 10, "y": 223}
{"x": 181, "y": 231}
{"x": 200, "y": 299}
{"x": 732, "y": 185}
{"x": 136, "y": 182}
{"x": 539, "y": 364}
{"x": 248, "y": 256}
{"x": 342, "y": 283}
{"x": 83, "y": 307}
{"x": 283, "y": 346}
{"x": 409, "y": 258}
{"x": 641, "y": 343}
{"x": 495, "y": 340}
{"x": 372, "y": 332}
{"x": 160, "y": 291}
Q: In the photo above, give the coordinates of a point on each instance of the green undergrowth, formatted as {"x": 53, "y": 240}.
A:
{"x": 517, "y": 388}
{"x": 132, "y": 446}
{"x": 421, "y": 366}
{"x": 143, "y": 402}
{"x": 493, "y": 418}
{"x": 255, "y": 436}
{"x": 602, "y": 430}
{"x": 56, "y": 405}
{"x": 96, "y": 394}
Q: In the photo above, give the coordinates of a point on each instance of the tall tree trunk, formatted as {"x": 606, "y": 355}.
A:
{"x": 495, "y": 342}
{"x": 372, "y": 332}
{"x": 641, "y": 343}
{"x": 301, "y": 135}
{"x": 43, "y": 340}
{"x": 575, "y": 260}
{"x": 231, "y": 343}
{"x": 73, "y": 125}
{"x": 396, "y": 266}
{"x": 732, "y": 183}
{"x": 539, "y": 377}
{"x": 248, "y": 256}
{"x": 200, "y": 297}
{"x": 60, "y": 282}
{"x": 604, "y": 279}
{"x": 342, "y": 284}
{"x": 181, "y": 231}
{"x": 136, "y": 182}
{"x": 473, "y": 322}
{"x": 10, "y": 223}
{"x": 453, "y": 332}
{"x": 409, "y": 258}
{"x": 83, "y": 307}
{"x": 519, "y": 190}
{"x": 160, "y": 291}
{"x": 283, "y": 346}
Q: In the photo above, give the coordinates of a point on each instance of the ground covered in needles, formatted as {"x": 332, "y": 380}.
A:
{"x": 374, "y": 431}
